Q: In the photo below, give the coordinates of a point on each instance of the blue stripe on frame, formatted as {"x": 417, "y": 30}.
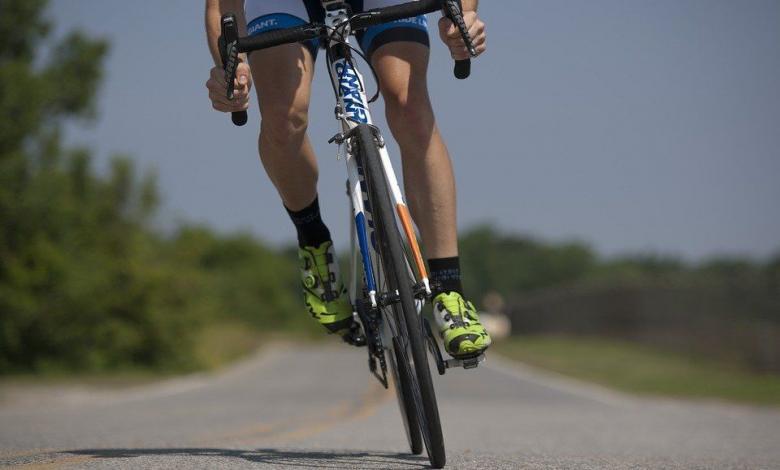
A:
{"x": 360, "y": 226}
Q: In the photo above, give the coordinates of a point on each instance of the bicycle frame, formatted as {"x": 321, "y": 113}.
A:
{"x": 351, "y": 109}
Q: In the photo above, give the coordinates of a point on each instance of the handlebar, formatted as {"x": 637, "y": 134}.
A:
{"x": 230, "y": 45}
{"x": 454, "y": 11}
{"x": 229, "y": 55}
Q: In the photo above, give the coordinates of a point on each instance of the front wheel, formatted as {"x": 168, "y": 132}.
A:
{"x": 405, "y": 396}
{"x": 409, "y": 343}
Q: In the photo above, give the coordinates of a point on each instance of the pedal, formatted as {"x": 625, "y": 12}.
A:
{"x": 355, "y": 336}
{"x": 466, "y": 363}
{"x": 442, "y": 364}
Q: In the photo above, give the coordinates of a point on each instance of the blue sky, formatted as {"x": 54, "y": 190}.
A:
{"x": 633, "y": 126}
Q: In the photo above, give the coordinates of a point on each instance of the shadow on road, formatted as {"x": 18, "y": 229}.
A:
{"x": 300, "y": 458}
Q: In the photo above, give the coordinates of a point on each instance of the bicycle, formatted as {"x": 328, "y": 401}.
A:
{"x": 389, "y": 293}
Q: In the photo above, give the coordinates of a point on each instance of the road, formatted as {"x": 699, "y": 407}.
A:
{"x": 317, "y": 407}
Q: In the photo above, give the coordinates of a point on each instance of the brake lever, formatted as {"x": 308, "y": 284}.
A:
{"x": 453, "y": 9}
{"x": 228, "y": 52}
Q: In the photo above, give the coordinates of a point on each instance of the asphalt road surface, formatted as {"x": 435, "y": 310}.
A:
{"x": 317, "y": 407}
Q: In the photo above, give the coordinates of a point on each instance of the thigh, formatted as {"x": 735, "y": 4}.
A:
{"x": 282, "y": 78}
{"x": 402, "y": 68}
{"x": 282, "y": 75}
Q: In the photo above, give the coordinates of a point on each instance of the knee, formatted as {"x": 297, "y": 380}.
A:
{"x": 283, "y": 125}
{"x": 410, "y": 116}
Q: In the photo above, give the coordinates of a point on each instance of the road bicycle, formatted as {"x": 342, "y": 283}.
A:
{"x": 388, "y": 282}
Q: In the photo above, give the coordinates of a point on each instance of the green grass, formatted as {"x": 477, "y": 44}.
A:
{"x": 638, "y": 369}
{"x": 222, "y": 343}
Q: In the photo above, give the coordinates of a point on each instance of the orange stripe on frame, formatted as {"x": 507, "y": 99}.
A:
{"x": 406, "y": 222}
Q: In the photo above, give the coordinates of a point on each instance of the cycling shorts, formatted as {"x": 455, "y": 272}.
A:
{"x": 267, "y": 15}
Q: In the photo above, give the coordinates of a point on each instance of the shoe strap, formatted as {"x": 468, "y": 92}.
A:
{"x": 319, "y": 264}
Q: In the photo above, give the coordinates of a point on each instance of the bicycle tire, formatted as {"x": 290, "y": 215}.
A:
{"x": 406, "y": 404}
{"x": 394, "y": 263}
{"x": 403, "y": 392}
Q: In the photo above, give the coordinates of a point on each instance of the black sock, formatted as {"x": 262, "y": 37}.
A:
{"x": 312, "y": 231}
{"x": 445, "y": 275}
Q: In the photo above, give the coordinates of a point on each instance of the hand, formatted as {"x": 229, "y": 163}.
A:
{"x": 217, "y": 87}
{"x": 450, "y": 34}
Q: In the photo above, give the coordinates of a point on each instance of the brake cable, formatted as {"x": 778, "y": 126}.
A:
{"x": 350, "y": 60}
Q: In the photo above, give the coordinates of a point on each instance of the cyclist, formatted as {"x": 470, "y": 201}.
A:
{"x": 282, "y": 76}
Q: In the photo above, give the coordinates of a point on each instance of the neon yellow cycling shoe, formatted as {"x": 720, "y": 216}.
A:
{"x": 459, "y": 326}
{"x": 323, "y": 293}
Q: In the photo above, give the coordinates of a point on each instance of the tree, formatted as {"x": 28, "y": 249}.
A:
{"x": 78, "y": 286}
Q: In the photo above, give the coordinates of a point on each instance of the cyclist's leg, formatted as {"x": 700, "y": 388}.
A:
{"x": 427, "y": 169}
{"x": 430, "y": 186}
{"x": 282, "y": 76}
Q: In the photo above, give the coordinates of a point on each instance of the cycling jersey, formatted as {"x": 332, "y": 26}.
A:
{"x": 265, "y": 15}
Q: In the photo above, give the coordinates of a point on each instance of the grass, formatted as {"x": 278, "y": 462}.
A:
{"x": 638, "y": 369}
{"x": 222, "y": 343}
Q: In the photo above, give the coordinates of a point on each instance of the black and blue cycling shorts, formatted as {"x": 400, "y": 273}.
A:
{"x": 267, "y": 15}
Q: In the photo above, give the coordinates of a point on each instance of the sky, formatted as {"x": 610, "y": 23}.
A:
{"x": 632, "y": 126}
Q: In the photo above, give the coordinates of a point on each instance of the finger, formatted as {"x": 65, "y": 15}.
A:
{"x": 218, "y": 75}
{"x": 477, "y": 28}
{"x": 455, "y": 42}
{"x": 459, "y": 53}
{"x": 447, "y": 28}
{"x": 478, "y": 40}
{"x": 481, "y": 46}
{"x": 217, "y": 92}
{"x": 229, "y": 106}
{"x": 219, "y": 98}
{"x": 469, "y": 18}
{"x": 215, "y": 87}
{"x": 453, "y": 31}
{"x": 243, "y": 77}
{"x": 220, "y": 107}
{"x": 240, "y": 94}
{"x": 444, "y": 24}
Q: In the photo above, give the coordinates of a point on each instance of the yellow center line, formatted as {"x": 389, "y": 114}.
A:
{"x": 25, "y": 453}
{"x": 55, "y": 463}
{"x": 283, "y": 430}
{"x": 345, "y": 411}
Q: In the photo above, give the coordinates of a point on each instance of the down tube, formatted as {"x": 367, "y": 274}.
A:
{"x": 361, "y": 225}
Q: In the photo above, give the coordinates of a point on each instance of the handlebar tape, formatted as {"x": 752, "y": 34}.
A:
{"x": 230, "y": 37}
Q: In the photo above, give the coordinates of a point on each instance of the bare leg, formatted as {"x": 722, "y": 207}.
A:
{"x": 427, "y": 170}
{"x": 282, "y": 77}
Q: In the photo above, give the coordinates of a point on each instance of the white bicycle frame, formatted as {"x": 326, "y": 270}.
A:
{"x": 352, "y": 110}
